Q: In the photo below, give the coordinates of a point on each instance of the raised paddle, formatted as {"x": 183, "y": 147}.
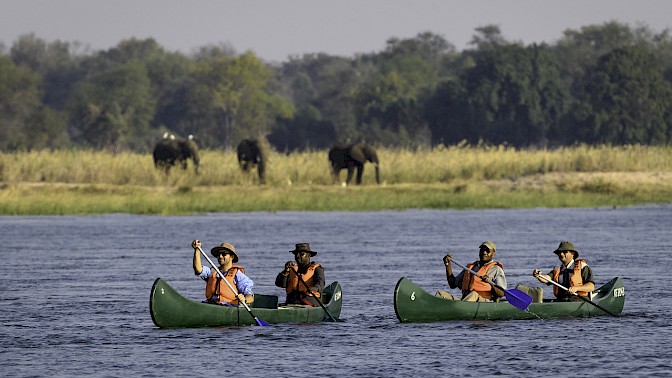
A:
{"x": 316, "y": 298}
{"x": 515, "y": 297}
{"x": 259, "y": 321}
{"x": 580, "y": 296}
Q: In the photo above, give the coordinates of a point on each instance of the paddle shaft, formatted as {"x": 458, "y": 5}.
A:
{"x": 580, "y": 296}
{"x": 230, "y": 286}
{"x": 313, "y": 295}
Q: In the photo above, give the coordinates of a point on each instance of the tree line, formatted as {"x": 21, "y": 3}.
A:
{"x": 602, "y": 84}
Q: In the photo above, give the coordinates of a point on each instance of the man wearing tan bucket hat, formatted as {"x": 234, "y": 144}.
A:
{"x": 573, "y": 273}
{"x": 216, "y": 290}
{"x": 303, "y": 282}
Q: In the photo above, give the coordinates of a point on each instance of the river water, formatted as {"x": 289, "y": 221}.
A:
{"x": 74, "y": 294}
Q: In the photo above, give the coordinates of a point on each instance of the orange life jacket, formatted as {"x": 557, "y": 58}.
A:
{"x": 216, "y": 286}
{"x": 472, "y": 283}
{"x": 574, "y": 280}
{"x": 293, "y": 283}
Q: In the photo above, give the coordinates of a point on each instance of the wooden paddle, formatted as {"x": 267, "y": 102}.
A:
{"x": 580, "y": 296}
{"x": 259, "y": 321}
{"x": 515, "y": 297}
{"x": 314, "y": 296}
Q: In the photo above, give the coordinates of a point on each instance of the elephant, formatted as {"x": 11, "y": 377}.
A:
{"x": 171, "y": 151}
{"x": 251, "y": 154}
{"x": 351, "y": 156}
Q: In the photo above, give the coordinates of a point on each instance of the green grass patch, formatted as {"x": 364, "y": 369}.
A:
{"x": 95, "y": 182}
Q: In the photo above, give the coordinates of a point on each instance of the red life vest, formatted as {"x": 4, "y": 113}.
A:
{"x": 574, "y": 280}
{"x": 293, "y": 283}
{"x": 215, "y": 285}
{"x": 472, "y": 283}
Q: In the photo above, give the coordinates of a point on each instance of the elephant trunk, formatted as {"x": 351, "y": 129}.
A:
{"x": 377, "y": 167}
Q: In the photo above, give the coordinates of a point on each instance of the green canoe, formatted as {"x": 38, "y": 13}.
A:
{"x": 169, "y": 309}
{"x": 413, "y": 304}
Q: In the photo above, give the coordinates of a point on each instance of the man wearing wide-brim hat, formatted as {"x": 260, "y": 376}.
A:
{"x": 573, "y": 273}
{"x": 303, "y": 282}
{"x": 216, "y": 290}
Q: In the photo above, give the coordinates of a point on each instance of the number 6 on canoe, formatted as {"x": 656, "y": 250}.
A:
{"x": 515, "y": 297}
{"x": 259, "y": 321}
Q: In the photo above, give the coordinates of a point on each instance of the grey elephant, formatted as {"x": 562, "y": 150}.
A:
{"x": 171, "y": 151}
{"x": 251, "y": 154}
{"x": 351, "y": 157}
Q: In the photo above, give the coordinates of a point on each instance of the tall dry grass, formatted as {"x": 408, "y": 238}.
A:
{"x": 399, "y": 166}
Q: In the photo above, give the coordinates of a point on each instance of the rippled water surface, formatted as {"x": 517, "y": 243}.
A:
{"x": 74, "y": 294}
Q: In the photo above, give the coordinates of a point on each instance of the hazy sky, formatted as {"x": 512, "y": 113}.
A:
{"x": 276, "y": 29}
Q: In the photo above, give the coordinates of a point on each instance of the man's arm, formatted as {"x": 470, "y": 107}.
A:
{"x": 198, "y": 267}
{"x": 281, "y": 279}
{"x": 447, "y": 261}
{"x": 318, "y": 280}
{"x": 499, "y": 278}
{"x": 244, "y": 285}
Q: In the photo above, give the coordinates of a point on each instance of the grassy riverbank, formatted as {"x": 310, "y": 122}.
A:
{"x": 91, "y": 182}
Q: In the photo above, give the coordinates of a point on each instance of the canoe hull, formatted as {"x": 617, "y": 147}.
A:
{"x": 169, "y": 309}
{"x": 413, "y": 304}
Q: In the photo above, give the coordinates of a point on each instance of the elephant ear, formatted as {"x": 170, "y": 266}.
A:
{"x": 371, "y": 154}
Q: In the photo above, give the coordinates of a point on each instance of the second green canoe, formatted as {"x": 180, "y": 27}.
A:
{"x": 413, "y": 304}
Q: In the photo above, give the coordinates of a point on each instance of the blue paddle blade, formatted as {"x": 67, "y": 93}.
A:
{"x": 518, "y": 298}
{"x": 261, "y": 323}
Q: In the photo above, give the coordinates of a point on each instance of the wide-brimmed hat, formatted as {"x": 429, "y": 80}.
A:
{"x": 303, "y": 247}
{"x": 491, "y": 246}
{"x": 566, "y": 246}
{"x": 225, "y": 247}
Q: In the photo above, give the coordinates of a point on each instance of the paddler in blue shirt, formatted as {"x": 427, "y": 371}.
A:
{"x": 216, "y": 290}
{"x": 475, "y": 289}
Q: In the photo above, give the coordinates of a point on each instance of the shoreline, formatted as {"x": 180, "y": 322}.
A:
{"x": 551, "y": 190}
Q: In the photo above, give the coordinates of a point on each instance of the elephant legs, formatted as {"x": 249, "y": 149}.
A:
{"x": 335, "y": 170}
{"x": 351, "y": 171}
{"x": 261, "y": 170}
{"x": 360, "y": 172}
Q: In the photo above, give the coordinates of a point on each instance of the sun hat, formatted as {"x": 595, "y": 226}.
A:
{"x": 225, "y": 247}
{"x": 491, "y": 246}
{"x": 303, "y": 247}
{"x": 566, "y": 246}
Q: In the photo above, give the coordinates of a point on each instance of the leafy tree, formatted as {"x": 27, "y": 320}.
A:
{"x": 512, "y": 95}
{"x": 112, "y": 109}
{"x": 627, "y": 100}
{"x": 322, "y": 87}
{"x": 24, "y": 122}
{"x": 57, "y": 64}
{"x": 304, "y": 131}
{"x": 447, "y": 115}
{"x": 488, "y": 37}
{"x": 225, "y": 99}
{"x": 389, "y": 103}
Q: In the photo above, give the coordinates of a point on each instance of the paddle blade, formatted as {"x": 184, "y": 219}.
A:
{"x": 518, "y": 299}
{"x": 261, "y": 323}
